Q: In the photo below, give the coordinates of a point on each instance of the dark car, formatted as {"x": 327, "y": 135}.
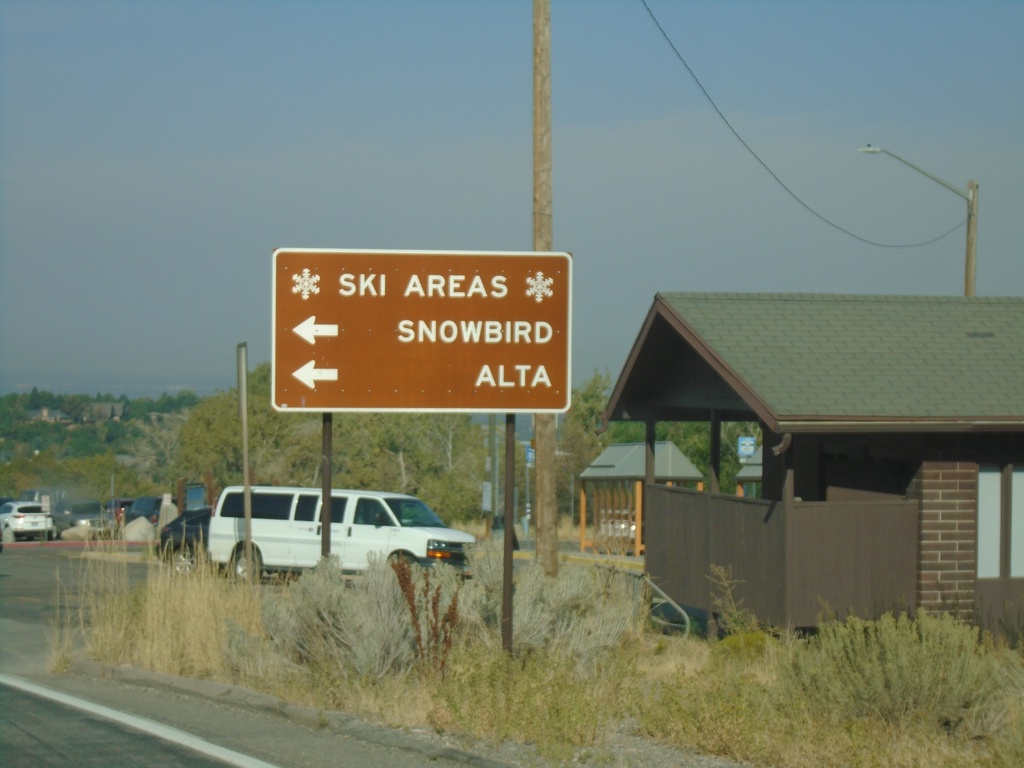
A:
{"x": 87, "y": 517}
{"x": 117, "y": 507}
{"x": 144, "y": 506}
{"x": 183, "y": 540}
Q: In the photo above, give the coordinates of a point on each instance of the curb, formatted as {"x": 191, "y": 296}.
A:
{"x": 92, "y": 543}
{"x": 338, "y": 723}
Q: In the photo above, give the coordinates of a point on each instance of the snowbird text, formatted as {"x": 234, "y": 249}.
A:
{"x": 475, "y": 331}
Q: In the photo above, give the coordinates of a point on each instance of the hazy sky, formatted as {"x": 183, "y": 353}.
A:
{"x": 154, "y": 154}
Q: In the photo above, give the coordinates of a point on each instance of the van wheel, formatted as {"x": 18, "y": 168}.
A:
{"x": 402, "y": 557}
{"x": 242, "y": 568}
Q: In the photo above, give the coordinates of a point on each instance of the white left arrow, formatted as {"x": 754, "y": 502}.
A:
{"x": 309, "y": 329}
{"x": 309, "y": 374}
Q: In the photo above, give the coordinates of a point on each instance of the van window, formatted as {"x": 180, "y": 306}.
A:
{"x": 265, "y": 506}
{"x": 413, "y": 513}
{"x": 371, "y": 512}
{"x": 305, "y": 509}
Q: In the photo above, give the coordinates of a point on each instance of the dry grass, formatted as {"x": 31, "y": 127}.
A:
{"x": 582, "y": 666}
{"x": 754, "y": 706}
{"x": 62, "y": 631}
{"x": 170, "y": 624}
{"x": 567, "y": 531}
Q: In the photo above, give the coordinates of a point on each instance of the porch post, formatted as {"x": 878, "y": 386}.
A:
{"x": 649, "y": 469}
{"x": 583, "y": 516}
{"x": 789, "y": 483}
{"x": 650, "y": 477}
{"x": 716, "y": 450}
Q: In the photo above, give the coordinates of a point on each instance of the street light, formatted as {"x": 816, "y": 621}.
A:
{"x": 971, "y": 196}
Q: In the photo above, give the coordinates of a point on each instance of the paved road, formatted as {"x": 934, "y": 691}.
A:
{"x": 36, "y": 579}
{"x": 41, "y": 728}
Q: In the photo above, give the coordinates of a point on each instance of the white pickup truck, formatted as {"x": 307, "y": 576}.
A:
{"x": 286, "y": 530}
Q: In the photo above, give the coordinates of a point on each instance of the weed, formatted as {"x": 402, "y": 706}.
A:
{"x": 433, "y": 641}
{"x": 62, "y": 631}
{"x": 732, "y": 617}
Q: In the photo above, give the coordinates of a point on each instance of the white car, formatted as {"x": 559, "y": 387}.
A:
{"x": 26, "y": 519}
{"x": 286, "y": 530}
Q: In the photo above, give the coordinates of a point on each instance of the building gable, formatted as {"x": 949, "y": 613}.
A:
{"x": 803, "y": 362}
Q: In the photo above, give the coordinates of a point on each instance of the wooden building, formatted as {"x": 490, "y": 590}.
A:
{"x": 893, "y": 461}
{"x": 611, "y": 494}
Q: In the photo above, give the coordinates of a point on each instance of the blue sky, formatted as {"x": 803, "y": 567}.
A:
{"x": 154, "y": 154}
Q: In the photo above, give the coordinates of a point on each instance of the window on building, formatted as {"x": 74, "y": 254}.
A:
{"x": 1000, "y": 522}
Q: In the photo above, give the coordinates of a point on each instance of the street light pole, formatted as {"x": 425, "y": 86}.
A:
{"x": 970, "y": 195}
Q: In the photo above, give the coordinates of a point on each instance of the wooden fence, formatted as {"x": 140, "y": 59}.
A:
{"x": 792, "y": 566}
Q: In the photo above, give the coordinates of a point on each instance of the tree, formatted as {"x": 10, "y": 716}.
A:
{"x": 439, "y": 457}
{"x": 155, "y": 448}
{"x": 88, "y": 476}
{"x": 693, "y": 438}
{"x": 76, "y": 406}
{"x": 581, "y": 439}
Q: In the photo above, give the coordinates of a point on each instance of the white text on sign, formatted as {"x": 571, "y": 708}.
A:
{"x": 439, "y": 286}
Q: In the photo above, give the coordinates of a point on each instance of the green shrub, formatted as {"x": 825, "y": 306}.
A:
{"x": 902, "y": 670}
{"x": 749, "y": 645}
{"x": 535, "y": 698}
{"x": 581, "y": 612}
{"x": 343, "y": 628}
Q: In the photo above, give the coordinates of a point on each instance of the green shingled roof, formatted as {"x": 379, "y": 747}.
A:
{"x": 866, "y": 357}
{"x": 627, "y": 461}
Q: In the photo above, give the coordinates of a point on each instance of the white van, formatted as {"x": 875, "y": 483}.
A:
{"x": 286, "y": 531}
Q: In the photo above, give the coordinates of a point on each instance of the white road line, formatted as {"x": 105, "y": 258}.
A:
{"x": 161, "y": 731}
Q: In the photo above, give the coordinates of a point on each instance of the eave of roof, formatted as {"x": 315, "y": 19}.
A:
{"x": 816, "y": 363}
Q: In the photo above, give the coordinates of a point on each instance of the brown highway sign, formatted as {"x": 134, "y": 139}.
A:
{"x": 370, "y": 330}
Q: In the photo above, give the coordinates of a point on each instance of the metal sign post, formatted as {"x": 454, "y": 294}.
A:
{"x": 243, "y": 413}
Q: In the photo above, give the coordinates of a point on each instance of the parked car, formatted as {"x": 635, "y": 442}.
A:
{"x": 183, "y": 540}
{"x": 117, "y": 507}
{"x": 3, "y": 500}
{"x": 286, "y": 530}
{"x": 144, "y": 506}
{"x": 84, "y": 513}
{"x": 50, "y": 498}
{"x": 26, "y": 520}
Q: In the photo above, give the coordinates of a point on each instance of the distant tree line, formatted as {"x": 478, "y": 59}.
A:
{"x": 439, "y": 457}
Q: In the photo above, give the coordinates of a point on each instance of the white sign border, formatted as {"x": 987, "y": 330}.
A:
{"x": 387, "y": 252}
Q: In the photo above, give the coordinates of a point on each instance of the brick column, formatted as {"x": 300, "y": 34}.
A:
{"x": 947, "y": 536}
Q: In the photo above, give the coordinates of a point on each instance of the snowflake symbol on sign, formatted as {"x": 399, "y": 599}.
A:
{"x": 305, "y": 284}
{"x": 540, "y": 286}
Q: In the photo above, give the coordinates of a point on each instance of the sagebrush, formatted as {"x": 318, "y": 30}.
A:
{"x": 900, "y": 691}
{"x": 898, "y": 669}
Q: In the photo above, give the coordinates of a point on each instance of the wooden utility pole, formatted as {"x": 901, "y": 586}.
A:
{"x": 544, "y": 423}
{"x": 972, "y": 238}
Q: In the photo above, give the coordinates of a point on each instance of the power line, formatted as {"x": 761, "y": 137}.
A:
{"x": 764, "y": 165}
